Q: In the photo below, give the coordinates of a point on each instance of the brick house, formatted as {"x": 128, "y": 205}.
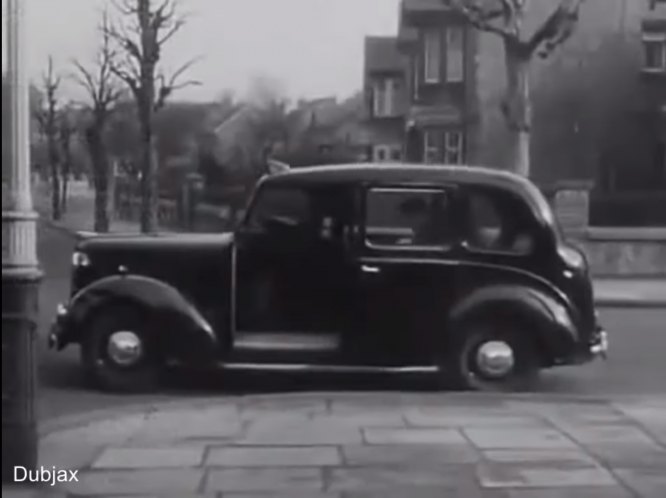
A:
{"x": 386, "y": 99}
{"x": 589, "y": 108}
{"x": 417, "y": 87}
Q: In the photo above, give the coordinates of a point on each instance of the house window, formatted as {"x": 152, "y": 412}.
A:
{"x": 430, "y": 147}
{"x": 416, "y": 82}
{"x": 387, "y": 153}
{"x": 446, "y": 147}
{"x": 655, "y": 51}
{"x": 455, "y": 61}
{"x": 385, "y": 97}
{"x": 453, "y": 147}
{"x": 432, "y": 56}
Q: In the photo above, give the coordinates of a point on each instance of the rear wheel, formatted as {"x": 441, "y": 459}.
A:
{"x": 119, "y": 352}
{"x": 494, "y": 357}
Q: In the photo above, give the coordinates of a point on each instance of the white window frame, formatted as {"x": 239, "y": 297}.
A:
{"x": 454, "y": 147}
{"x": 659, "y": 41}
{"x": 416, "y": 80}
{"x": 385, "y": 96}
{"x": 430, "y": 147}
{"x": 455, "y": 54}
{"x": 432, "y": 56}
{"x": 388, "y": 150}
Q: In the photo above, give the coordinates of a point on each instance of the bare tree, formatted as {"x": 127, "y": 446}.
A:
{"x": 104, "y": 91}
{"x": 66, "y": 131}
{"x": 148, "y": 26}
{"x": 506, "y": 19}
{"x": 269, "y": 122}
{"x": 46, "y": 115}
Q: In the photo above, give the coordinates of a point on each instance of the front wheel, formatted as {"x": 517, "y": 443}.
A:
{"x": 494, "y": 357}
{"x": 119, "y": 353}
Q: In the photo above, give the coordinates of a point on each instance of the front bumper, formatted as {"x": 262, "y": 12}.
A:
{"x": 599, "y": 344}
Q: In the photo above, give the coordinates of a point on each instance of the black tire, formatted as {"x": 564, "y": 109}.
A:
{"x": 101, "y": 369}
{"x": 463, "y": 364}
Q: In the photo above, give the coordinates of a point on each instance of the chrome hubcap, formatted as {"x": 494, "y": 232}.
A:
{"x": 124, "y": 348}
{"x": 495, "y": 359}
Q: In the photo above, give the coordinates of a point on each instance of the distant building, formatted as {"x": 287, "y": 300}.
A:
{"x": 385, "y": 98}
{"x": 433, "y": 93}
{"x": 325, "y": 130}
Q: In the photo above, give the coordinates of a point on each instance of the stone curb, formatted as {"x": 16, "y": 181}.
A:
{"x": 612, "y": 302}
{"x": 65, "y": 422}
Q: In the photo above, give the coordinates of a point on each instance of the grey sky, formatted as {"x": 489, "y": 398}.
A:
{"x": 314, "y": 47}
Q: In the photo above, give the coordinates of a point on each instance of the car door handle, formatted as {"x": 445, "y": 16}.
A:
{"x": 370, "y": 269}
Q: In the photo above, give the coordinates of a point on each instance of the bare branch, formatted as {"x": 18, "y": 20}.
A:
{"x": 119, "y": 34}
{"x": 479, "y": 15}
{"x": 126, "y": 7}
{"x": 100, "y": 82}
{"x": 167, "y": 88}
{"x": 171, "y": 31}
{"x": 84, "y": 78}
{"x": 556, "y": 29}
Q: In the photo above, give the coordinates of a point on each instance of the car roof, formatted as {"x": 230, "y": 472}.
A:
{"x": 396, "y": 174}
{"x": 404, "y": 174}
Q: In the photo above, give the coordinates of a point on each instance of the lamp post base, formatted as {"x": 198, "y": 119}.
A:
{"x": 20, "y": 297}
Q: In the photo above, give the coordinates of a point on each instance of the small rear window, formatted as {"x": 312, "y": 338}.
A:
{"x": 497, "y": 222}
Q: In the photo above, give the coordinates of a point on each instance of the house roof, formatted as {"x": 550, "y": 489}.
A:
{"x": 231, "y": 118}
{"x": 381, "y": 54}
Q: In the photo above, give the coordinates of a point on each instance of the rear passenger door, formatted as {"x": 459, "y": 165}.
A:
{"x": 408, "y": 272}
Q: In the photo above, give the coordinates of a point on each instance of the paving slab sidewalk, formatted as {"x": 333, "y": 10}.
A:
{"x": 365, "y": 444}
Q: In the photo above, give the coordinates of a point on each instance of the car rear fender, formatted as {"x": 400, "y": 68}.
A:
{"x": 552, "y": 321}
{"x": 183, "y": 332}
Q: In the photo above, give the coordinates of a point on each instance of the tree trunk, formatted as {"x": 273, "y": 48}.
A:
{"x": 66, "y": 172}
{"x": 65, "y": 193}
{"x": 55, "y": 180}
{"x": 517, "y": 108}
{"x": 149, "y": 185}
{"x": 100, "y": 179}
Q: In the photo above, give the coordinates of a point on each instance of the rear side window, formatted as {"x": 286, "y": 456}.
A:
{"x": 497, "y": 222}
{"x": 408, "y": 218}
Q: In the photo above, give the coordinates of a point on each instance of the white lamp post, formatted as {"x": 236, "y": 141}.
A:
{"x": 20, "y": 271}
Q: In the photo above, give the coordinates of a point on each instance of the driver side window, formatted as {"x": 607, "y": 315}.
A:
{"x": 288, "y": 205}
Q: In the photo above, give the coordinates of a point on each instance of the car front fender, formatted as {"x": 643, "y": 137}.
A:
{"x": 184, "y": 333}
{"x": 551, "y": 318}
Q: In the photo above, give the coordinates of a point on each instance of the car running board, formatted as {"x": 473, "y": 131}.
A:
{"x": 286, "y": 342}
{"x": 328, "y": 369}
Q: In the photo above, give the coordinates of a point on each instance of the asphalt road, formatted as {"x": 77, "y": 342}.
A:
{"x": 635, "y": 366}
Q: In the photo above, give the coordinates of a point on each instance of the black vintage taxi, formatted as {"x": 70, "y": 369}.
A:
{"x": 460, "y": 272}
